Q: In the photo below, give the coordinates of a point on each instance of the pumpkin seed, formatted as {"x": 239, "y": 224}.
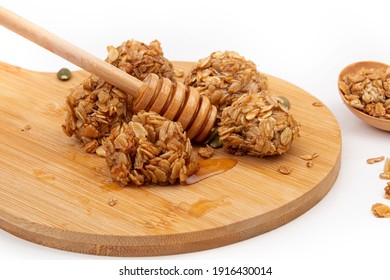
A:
{"x": 64, "y": 74}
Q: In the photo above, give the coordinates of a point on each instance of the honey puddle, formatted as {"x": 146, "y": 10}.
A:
{"x": 54, "y": 109}
{"x": 198, "y": 209}
{"x": 211, "y": 167}
{"x": 43, "y": 175}
{"x": 164, "y": 219}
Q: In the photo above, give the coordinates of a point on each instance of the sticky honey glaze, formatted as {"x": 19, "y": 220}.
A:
{"x": 211, "y": 167}
{"x": 198, "y": 209}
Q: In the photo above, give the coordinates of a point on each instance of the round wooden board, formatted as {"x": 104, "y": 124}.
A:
{"x": 54, "y": 194}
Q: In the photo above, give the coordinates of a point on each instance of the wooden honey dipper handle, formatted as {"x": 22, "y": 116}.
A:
{"x": 174, "y": 101}
{"x": 70, "y": 52}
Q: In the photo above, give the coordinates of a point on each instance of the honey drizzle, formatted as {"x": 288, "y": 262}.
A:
{"x": 211, "y": 167}
{"x": 200, "y": 208}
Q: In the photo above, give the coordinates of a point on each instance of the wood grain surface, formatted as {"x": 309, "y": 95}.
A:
{"x": 52, "y": 193}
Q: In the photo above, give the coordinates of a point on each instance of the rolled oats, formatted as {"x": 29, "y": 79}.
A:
{"x": 387, "y": 190}
{"x": 27, "y": 127}
{"x": 315, "y": 155}
{"x": 224, "y": 76}
{"x": 257, "y": 124}
{"x": 306, "y": 157}
{"x": 100, "y": 151}
{"x": 285, "y": 169}
{"x": 149, "y": 149}
{"x": 206, "y": 152}
{"x": 384, "y": 176}
{"x": 386, "y": 170}
{"x": 112, "y": 201}
{"x": 380, "y": 210}
{"x": 309, "y": 157}
{"x": 386, "y": 167}
{"x": 317, "y": 104}
{"x": 95, "y": 107}
{"x": 179, "y": 73}
{"x": 375, "y": 160}
{"x": 368, "y": 90}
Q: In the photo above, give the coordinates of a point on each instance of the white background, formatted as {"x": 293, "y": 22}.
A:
{"x": 304, "y": 42}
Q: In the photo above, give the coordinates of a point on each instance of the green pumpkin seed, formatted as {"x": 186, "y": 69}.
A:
{"x": 285, "y": 102}
{"x": 64, "y": 74}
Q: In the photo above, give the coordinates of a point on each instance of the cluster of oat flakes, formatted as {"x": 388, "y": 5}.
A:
{"x": 147, "y": 148}
{"x": 257, "y": 124}
{"x": 139, "y": 149}
{"x": 95, "y": 107}
{"x": 224, "y": 76}
{"x": 368, "y": 90}
{"x": 251, "y": 120}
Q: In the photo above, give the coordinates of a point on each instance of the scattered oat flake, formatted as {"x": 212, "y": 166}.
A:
{"x": 112, "y": 201}
{"x": 306, "y": 157}
{"x": 376, "y": 159}
{"x": 206, "y": 152}
{"x": 318, "y": 104}
{"x": 387, "y": 191}
{"x": 380, "y": 210}
{"x": 26, "y": 127}
{"x": 285, "y": 169}
{"x": 179, "y": 73}
{"x": 310, "y": 157}
{"x": 386, "y": 168}
{"x": 309, "y": 163}
{"x": 384, "y": 176}
{"x": 315, "y": 155}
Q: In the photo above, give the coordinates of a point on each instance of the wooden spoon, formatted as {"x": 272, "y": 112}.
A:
{"x": 174, "y": 101}
{"x": 380, "y": 123}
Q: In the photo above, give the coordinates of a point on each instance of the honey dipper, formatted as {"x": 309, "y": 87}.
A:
{"x": 172, "y": 100}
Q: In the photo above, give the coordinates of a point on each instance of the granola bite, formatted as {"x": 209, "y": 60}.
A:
{"x": 224, "y": 76}
{"x": 149, "y": 149}
{"x": 94, "y": 107}
{"x": 368, "y": 90}
{"x": 257, "y": 124}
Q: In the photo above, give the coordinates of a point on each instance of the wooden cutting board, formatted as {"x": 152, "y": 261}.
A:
{"x": 52, "y": 193}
